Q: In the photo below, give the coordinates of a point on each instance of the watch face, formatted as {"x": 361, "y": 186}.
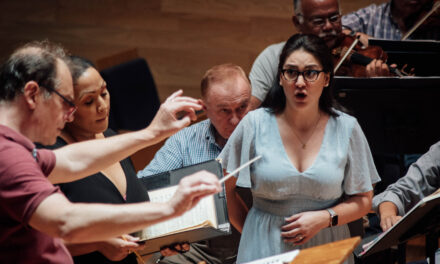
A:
{"x": 334, "y": 220}
{"x": 333, "y": 217}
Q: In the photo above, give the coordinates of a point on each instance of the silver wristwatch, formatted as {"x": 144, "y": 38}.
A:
{"x": 333, "y": 217}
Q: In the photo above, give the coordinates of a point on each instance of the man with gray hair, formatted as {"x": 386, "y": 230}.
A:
{"x": 317, "y": 17}
{"x": 36, "y": 100}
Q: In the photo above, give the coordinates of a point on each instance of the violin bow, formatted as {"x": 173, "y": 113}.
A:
{"x": 434, "y": 7}
{"x": 346, "y": 53}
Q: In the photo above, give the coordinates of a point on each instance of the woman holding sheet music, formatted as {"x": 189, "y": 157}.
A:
{"x": 117, "y": 184}
{"x": 317, "y": 172}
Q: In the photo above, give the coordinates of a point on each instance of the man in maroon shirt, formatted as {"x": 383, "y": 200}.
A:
{"x": 35, "y": 217}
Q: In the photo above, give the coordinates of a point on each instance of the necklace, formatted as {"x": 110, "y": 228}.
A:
{"x": 304, "y": 143}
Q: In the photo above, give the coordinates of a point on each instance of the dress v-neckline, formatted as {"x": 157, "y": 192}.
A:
{"x": 106, "y": 178}
{"x": 286, "y": 156}
{"x": 124, "y": 196}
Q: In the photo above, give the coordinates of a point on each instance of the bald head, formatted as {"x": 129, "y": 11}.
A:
{"x": 221, "y": 74}
{"x": 35, "y": 61}
{"x": 226, "y": 93}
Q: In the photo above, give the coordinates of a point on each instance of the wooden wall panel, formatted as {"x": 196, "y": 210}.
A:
{"x": 179, "y": 39}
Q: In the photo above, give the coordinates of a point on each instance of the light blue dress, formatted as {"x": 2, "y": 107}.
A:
{"x": 344, "y": 165}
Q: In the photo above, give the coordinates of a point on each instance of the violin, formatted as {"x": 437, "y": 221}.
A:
{"x": 351, "y": 58}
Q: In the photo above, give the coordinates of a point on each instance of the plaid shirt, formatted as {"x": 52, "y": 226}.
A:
{"x": 191, "y": 145}
{"x": 376, "y": 21}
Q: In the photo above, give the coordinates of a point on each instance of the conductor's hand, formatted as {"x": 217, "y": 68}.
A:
{"x": 116, "y": 249}
{"x": 300, "y": 228}
{"x": 191, "y": 189}
{"x": 174, "y": 114}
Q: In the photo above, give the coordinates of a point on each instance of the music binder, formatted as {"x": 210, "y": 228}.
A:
{"x": 202, "y": 231}
{"x": 422, "y": 218}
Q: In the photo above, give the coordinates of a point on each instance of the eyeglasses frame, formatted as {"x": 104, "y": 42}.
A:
{"x": 72, "y": 105}
{"x": 338, "y": 19}
{"x": 302, "y": 74}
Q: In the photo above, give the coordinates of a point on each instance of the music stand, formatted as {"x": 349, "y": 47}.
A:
{"x": 417, "y": 54}
{"x": 422, "y": 219}
{"x": 397, "y": 115}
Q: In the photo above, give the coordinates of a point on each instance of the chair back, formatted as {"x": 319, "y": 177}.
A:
{"x": 133, "y": 96}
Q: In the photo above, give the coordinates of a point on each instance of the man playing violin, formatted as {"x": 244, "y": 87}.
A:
{"x": 393, "y": 19}
{"x": 317, "y": 17}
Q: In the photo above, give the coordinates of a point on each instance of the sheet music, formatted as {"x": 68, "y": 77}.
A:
{"x": 203, "y": 212}
{"x": 277, "y": 259}
{"x": 369, "y": 245}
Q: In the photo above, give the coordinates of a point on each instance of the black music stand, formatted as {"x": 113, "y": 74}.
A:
{"x": 422, "y": 219}
{"x": 397, "y": 115}
{"x": 418, "y": 54}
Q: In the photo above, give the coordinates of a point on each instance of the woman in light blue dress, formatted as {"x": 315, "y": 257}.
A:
{"x": 316, "y": 172}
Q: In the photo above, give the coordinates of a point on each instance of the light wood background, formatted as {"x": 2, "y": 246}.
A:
{"x": 180, "y": 39}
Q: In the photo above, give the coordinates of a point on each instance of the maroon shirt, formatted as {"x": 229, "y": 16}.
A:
{"x": 23, "y": 186}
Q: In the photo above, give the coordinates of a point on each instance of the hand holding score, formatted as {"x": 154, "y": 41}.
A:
{"x": 192, "y": 189}
{"x": 300, "y": 228}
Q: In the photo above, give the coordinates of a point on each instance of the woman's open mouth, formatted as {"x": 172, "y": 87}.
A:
{"x": 300, "y": 95}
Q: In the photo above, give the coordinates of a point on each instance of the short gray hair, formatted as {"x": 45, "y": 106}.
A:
{"x": 297, "y": 10}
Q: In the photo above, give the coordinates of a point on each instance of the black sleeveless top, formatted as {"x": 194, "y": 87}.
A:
{"x": 97, "y": 188}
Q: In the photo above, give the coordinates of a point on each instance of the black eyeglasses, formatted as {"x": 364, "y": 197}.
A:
{"x": 292, "y": 75}
{"x": 72, "y": 106}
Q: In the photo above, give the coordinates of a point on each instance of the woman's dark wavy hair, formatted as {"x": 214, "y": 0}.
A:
{"x": 78, "y": 65}
{"x": 276, "y": 99}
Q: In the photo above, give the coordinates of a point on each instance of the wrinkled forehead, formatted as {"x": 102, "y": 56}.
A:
{"x": 319, "y": 8}
{"x": 232, "y": 84}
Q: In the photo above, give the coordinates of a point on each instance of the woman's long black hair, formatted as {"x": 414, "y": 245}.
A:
{"x": 276, "y": 99}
